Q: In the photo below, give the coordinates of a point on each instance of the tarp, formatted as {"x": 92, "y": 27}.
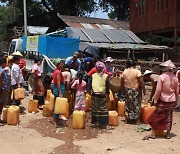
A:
{"x": 55, "y": 46}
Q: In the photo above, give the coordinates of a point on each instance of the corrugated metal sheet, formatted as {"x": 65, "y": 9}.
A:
{"x": 96, "y": 23}
{"x": 103, "y": 35}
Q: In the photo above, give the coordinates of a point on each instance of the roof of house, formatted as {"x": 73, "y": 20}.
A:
{"x": 93, "y": 23}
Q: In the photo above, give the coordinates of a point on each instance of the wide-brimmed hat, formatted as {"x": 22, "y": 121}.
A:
{"x": 169, "y": 64}
{"x": 17, "y": 53}
{"x": 109, "y": 59}
{"x": 147, "y": 72}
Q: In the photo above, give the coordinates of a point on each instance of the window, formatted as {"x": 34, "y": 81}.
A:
{"x": 140, "y": 8}
{"x": 162, "y": 5}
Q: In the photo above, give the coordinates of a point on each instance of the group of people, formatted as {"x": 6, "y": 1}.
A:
{"x": 92, "y": 75}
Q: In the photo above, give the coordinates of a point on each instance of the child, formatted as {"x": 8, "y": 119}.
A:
{"x": 80, "y": 86}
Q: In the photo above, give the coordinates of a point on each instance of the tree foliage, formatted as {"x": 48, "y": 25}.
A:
{"x": 118, "y": 9}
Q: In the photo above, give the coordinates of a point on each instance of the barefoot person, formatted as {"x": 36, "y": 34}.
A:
{"x": 165, "y": 98}
{"x": 132, "y": 84}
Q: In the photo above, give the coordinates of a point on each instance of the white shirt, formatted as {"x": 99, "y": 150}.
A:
{"x": 16, "y": 73}
{"x": 73, "y": 73}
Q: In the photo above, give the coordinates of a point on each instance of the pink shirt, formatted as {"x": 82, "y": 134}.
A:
{"x": 167, "y": 88}
{"x": 79, "y": 87}
{"x": 37, "y": 71}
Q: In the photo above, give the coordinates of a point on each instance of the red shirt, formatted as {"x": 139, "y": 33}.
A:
{"x": 55, "y": 74}
{"x": 21, "y": 65}
{"x": 94, "y": 70}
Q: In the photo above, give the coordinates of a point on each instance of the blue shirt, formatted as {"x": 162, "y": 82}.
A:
{"x": 69, "y": 61}
{"x": 4, "y": 79}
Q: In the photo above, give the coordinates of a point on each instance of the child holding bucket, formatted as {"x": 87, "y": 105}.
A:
{"x": 80, "y": 86}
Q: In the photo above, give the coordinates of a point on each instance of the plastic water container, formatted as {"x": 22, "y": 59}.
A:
{"x": 159, "y": 133}
{"x": 109, "y": 105}
{"x": 89, "y": 100}
{"x": 67, "y": 113}
{"x": 78, "y": 119}
{"x": 61, "y": 105}
{"x": 19, "y": 94}
{"x": 33, "y": 106}
{"x": 113, "y": 118}
{"x": 87, "y": 104}
{"x": 48, "y": 94}
{"x": 51, "y": 102}
{"x": 13, "y": 115}
{"x": 4, "y": 114}
{"x": 121, "y": 108}
{"x": 46, "y": 111}
{"x": 147, "y": 111}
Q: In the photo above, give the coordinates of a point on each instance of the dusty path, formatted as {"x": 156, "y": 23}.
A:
{"x": 37, "y": 135}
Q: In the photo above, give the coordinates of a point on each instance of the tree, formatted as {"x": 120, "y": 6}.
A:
{"x": 118, "y": 9}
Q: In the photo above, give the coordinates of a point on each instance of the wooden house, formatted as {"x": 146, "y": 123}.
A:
{"x": 156, "y": 21}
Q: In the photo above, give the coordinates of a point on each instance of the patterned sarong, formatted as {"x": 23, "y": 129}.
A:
{"x": 161, "y": 119}
{"x": 99, "y": 110}
{"x": 80, "y": 101}
{"x": 133, "y": 103}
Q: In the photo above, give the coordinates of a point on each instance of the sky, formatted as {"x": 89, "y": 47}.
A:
{"x": 99, "y": 14}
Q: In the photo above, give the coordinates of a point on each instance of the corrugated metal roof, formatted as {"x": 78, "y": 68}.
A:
{"x": 96, "y": 23}
{"x": 103, "y": 35}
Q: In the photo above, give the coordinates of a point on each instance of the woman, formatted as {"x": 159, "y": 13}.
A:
{"x": 165, "y": 98}
{"x": 58, "y": 85}
{"x": 38, "y": 88}
{"x": 100, "y": 96}
{"x": 80, "y": 87}
{"x": 132, "y": 84}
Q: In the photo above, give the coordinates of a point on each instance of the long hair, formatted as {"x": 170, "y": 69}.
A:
{"x": 80, "y": 77}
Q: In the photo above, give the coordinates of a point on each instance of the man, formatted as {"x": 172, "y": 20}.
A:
{"x": 17, "y": 80}
{"x": 108, "y": 65}
{"x": 150, "y": 76}
{"x": 74, "y": 62}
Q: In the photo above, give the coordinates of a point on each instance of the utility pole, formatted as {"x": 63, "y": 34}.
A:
{"x": 25, "y": 18}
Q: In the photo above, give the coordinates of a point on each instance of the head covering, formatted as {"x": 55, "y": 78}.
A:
{"x": 109, "y": 59}
{"x": 100, "y": 66}
{"x": 56, "y": 61}
{"x": 17, "y": 53}
{"x": 168, "y": 64}
{"x": 147, "y": 72}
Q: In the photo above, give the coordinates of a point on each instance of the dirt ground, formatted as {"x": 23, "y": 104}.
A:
{"x": 37, "y": 135}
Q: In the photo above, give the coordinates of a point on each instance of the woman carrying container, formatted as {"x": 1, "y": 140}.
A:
{"x": 80, "y": 87}
{"x": 165, "y": 98}
{"x": 133, "y": 85}
{"x": 58, "y": 85}
{"x": 38, "y": 88}
{"x": 100, "y": 96}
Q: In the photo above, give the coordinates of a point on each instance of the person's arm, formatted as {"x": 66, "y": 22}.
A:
{"x": 158, "y": 90}
{"x": 154, "y": 84}
{"x": 73, "y": 85}
{"x": 79, "y": 67}
{"x": 107, "y": 88}
{"x": 91, "y": 72}
{"x": 141, "y": 83}
{"x": 1, "y": 81}
{"x": 59, "y": 85}
{"x": 177, "y": 91}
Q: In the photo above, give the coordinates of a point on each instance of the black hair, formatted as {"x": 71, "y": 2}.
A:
{"x": 37, "y": 59}
{"x": 80, "y": 76}
{"x": 130, "y": 63}
{"x": 2, "y": 60}
{"x": 16, "y": 58}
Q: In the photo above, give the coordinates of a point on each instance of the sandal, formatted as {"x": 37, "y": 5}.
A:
{"x": 167, "y": 137}
{"x": 109, "y": 128}
{"x": 149, "y": 137}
